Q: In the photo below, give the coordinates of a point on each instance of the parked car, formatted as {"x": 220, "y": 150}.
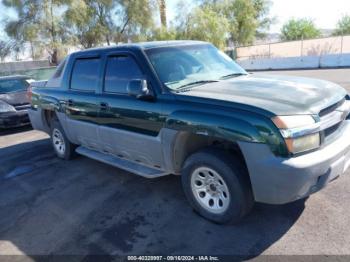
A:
{"x": 185, "y": 108}
{"x": 14, "y": 102}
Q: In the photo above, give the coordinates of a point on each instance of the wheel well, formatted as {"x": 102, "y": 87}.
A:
{"x": 188, "y": 143}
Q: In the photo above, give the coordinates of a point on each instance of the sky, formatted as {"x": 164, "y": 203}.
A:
{"x": 325, "y": 13}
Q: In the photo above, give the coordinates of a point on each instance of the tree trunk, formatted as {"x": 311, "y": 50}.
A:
{"x": 32, "y": 50}
{"x": 124, "y": 26}
{"x": 53, "y": 30}
{"x": 162, "y": 10}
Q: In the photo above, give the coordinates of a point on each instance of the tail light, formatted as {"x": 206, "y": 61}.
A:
{"x": 29, "y": 93}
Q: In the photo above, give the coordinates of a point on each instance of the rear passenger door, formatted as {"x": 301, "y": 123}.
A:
{"x": 82, "y": 107}
{"x": 128, "y": 126}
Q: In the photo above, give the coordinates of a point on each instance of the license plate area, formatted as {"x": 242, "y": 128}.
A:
{"x": 347, "y": 162}
{"x": 340, "y": 166}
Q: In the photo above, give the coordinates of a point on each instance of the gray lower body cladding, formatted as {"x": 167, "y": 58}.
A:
{"x": 152, "y": 151}
{"x": 274, "y": 180}
{"x": 37, "y": 120}
{"x": 278, "y": 180}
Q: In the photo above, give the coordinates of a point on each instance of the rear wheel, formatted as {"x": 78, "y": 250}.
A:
{"x": 216, "y": 185}
{"x": 63, "y": 148}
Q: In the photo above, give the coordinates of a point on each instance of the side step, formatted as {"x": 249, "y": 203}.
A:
{"x": 127, "y": 165}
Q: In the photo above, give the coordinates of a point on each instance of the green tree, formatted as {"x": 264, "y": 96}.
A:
{"x": 262, "y": 15}
{"x": 175, "y": 30}
{"x": 242, "y": 17}
{"x": 5, "y": 49}
{"x": 247, "y": 19}
{"x": 83, "y": 24}
{"x": 23, "y": 29}
{"x": 160, "y": 34}
{"x": 343, "y": 26}
{"x": 38, "y": 20}
{"x": 53, "y": 24}
{"x": 104, "y": 11}
{"x": 135, "y": 21}
{"x": 296, "y": 29}
{"x": 207, "y": 25}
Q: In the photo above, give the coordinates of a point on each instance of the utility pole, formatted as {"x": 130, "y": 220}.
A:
{"x": 302, "y": 45}
{"x": 341, "y": 42}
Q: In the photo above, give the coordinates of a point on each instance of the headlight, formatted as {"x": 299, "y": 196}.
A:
{"x": 4, "y": 107}
{"x": 300, "y": 132}
{"x": 304, "y": 143}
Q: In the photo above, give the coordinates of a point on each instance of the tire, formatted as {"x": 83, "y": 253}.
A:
{"x": 62, "y": 146}
{"x": 217, "y": 186}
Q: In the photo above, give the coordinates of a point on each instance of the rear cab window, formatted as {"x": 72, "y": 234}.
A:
{"x": 85, "y": 74}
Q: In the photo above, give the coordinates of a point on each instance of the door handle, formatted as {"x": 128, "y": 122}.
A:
{"x": 70, "y": 102}
{"x": 103, "y": 106}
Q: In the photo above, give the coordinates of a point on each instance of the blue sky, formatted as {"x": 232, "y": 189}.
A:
{"x": 325, "y": 13}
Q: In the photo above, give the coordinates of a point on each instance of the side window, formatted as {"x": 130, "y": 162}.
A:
{"x": 85, "y": 74}
{"x": 119, "y": 71}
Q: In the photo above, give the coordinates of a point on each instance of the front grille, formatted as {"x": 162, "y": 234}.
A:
{"x": 331, "y": 108}
{"x": 331, "y": 130}
{"x": 328, "y": 114}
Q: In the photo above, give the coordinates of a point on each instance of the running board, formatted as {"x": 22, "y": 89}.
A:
{"x": 127, "y": 165}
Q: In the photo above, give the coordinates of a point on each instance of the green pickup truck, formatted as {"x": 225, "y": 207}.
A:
{"x": 185, "y": 108}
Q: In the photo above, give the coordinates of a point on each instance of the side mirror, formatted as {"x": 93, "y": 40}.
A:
{"x": 139, "y": 88}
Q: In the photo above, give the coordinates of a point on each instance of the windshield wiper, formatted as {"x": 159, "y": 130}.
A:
{"x": 233, "y": 75}
{"x": 195, "y": 83}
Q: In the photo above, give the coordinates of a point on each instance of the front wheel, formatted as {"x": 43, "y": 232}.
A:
{"x": 62, "y": 146}
{"x": 217, "y": 186}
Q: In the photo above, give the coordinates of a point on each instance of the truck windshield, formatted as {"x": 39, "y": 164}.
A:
{"x": 13, "y": 85}
{"x": 183, "y": 66}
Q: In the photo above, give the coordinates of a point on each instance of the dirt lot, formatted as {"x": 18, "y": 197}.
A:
{"x": 52, "y": 206}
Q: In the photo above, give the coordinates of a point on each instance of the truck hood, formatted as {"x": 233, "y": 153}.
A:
{"x": 280, "y": 95}
{"x": 15, "y": 98}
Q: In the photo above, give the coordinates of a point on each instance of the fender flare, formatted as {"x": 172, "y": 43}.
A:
{"x": 51, "y": 104}
{"x": 239, "y": 126}
{"x": 225, "y": 127}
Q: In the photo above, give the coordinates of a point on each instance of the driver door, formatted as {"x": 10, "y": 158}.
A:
{"x": 129, "y": 127}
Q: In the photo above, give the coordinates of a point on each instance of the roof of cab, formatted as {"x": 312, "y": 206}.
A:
{"x": 145, "y": 45}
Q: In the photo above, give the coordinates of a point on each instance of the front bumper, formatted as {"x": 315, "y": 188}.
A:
{"x": 277, "y": 180}
{"x": 14, "y": 119}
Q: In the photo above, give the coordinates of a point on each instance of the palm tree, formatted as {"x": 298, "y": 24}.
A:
{"x": 162, "y": 10}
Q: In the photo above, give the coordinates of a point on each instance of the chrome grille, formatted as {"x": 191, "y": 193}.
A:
{"x": 332, "y": 118}
{"x": 331, "y": 108}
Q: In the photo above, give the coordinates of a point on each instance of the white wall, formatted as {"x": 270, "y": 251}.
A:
{"x": 23, "y": 65}
{"x": 323, "y": 61}
{"x": 310, "y": 47}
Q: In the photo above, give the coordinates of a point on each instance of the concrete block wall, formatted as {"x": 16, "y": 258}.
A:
{"x": 23, "y": 65}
